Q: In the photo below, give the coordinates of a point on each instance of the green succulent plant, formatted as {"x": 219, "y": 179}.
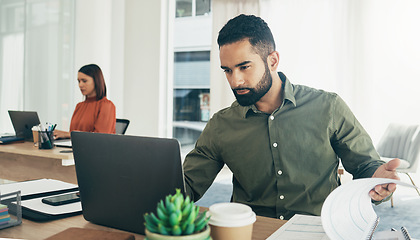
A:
{"x": 176, "y": 216}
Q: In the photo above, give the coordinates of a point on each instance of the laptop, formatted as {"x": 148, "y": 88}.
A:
{"x": 122, "y": 177}
{"x": 63, "y": 143}
{"x": 23, "y": 121}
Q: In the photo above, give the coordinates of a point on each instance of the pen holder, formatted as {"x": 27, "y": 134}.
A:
{"x": 45, "y": 139}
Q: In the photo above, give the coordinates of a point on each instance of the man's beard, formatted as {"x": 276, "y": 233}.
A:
{"x": 256, "y": 93}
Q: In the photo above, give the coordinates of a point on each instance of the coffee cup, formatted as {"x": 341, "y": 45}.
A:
{"x": 230, "y": 221}
{"x": 35, "y": 137}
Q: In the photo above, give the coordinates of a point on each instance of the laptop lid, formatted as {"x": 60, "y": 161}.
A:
{"x": 22, "y": 122}
{"x": 122, "y": 177}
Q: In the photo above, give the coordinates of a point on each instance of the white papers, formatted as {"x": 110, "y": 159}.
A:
{"x": 11, "y": 239}
{"x": 63, "y": 143}
{"x": 42, "y": 186}
{"x": 35, "y": 186}
{"x": 389, "y": 235}
{"x": 347, "y": 213}
{"x": 300, "y": 227}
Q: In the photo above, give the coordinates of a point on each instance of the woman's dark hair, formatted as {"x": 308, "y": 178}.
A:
{"x": 95, "y": 72}
{"x": 249, "y": 27}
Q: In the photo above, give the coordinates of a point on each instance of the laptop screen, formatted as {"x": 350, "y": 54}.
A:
{"x": 23, "y": 121}
{"x": 122, "y": 177}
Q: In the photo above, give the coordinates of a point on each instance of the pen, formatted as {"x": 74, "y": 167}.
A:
{"x": 55, "y": 125}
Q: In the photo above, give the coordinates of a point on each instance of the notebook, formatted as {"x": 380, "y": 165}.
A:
{"x": 23, "y": 121}
{"x": 122, "y": 177}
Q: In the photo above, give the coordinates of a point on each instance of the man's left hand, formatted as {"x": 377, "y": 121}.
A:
{"x": 387, "y": 170}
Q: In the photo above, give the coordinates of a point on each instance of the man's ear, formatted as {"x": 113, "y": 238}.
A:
{"x": 273, "y": 60}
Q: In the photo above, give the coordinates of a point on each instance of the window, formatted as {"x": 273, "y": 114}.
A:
{"x": 191, "y": 8}
{"x": 191, "y": 87}
{"x": 12, "y": 22}
{"x": 36, "y": 64}
{"x": 191, "y": 96}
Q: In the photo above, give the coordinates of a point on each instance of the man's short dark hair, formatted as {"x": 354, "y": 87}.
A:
{"x": 249, "y": 27}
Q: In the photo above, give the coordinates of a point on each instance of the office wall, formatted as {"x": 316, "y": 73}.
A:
{"x": 365, "y": 50}
{"x": 126, "y": 38}
{"x": 98, "y": 36}
{"x": 145, "y": 70}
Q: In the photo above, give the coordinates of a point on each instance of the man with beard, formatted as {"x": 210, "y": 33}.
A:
{"x": 281, "y": 141}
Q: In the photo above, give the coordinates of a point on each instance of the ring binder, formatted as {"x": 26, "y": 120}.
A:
{"x": 372, "y": 229}
{"x": 405, "y": 233}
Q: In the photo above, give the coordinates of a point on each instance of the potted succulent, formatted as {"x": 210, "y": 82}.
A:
{"x": 177, "y": 218}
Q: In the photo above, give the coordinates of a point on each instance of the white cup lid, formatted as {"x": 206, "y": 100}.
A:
{"x": 231, "y": 215}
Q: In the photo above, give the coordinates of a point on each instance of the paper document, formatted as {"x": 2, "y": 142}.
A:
{"x": 63, "y": 143}
{"x": 42, "y": 186}
{"x": 301, "y": 227}
{"x": 35, "y": 186}
{"x": 348, "y": 214}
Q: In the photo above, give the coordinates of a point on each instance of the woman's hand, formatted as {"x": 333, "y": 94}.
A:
{"x": 61, "y": 134}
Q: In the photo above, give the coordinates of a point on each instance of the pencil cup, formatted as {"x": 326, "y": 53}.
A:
{"x": 45, "y": 139}
{"x": 231, "y": 221}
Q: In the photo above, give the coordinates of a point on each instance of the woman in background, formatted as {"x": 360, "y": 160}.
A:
{"x": 96, "y": 113}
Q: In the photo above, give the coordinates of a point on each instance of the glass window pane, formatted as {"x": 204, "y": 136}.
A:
{"x": 192, "y": 70}
{"x": 191, "y": 96}
{"x": 11, "y": 60}
{"x": 49, "y": 49}
{"x": 183, "y": 8}
{"x": 202, "y": 7}
{"x": 191, "y": 113}
{"x": 191, "y": 104}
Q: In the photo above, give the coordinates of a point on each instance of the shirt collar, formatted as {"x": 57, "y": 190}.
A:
{"x": 288, "y": 96}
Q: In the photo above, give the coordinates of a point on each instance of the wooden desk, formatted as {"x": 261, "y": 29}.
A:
{"x": 263, "y": 228}
{"x": 24, "y": 161}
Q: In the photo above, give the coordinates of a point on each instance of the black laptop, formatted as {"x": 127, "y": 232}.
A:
{"x": 122, "y": 177}
{"x": 23, "y": 121}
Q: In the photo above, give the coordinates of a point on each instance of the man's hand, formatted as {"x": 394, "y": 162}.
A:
{"x": 387, "y": 170}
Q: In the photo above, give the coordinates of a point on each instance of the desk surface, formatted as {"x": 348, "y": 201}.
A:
{"x": 28, "y": 148}
{"x": 263, "y": 228}
{"x": 24, "y": 161}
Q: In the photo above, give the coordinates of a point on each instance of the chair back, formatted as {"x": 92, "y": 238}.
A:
{"x": 403, "y": 142}
{"x": 121, "y": 126}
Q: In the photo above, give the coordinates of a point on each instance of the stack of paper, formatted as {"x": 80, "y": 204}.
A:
{"x": 4, "y": 215}
{"x": 347, "y": 214}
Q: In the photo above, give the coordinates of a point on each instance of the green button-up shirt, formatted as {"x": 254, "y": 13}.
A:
{"x": 285, "y": 162}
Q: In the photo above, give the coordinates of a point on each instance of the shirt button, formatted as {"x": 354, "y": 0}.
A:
{"x": 275, "y": 145}
{"x": 271, "y": 117}
{"x": 279, "y": 172}
{"x": 281, "y": 197}
{"x": 281, "y": 217}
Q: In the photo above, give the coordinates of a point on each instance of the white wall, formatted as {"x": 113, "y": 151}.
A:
{"x": 125, "y": 39}
{"x": 193, "y": 33}
{"x": 93, "y": 38}
{"x": 365, "y": 50}
{"x": 144, "y": 90}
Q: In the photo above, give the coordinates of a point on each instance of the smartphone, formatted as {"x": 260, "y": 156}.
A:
{"x": 62, "y": 199}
